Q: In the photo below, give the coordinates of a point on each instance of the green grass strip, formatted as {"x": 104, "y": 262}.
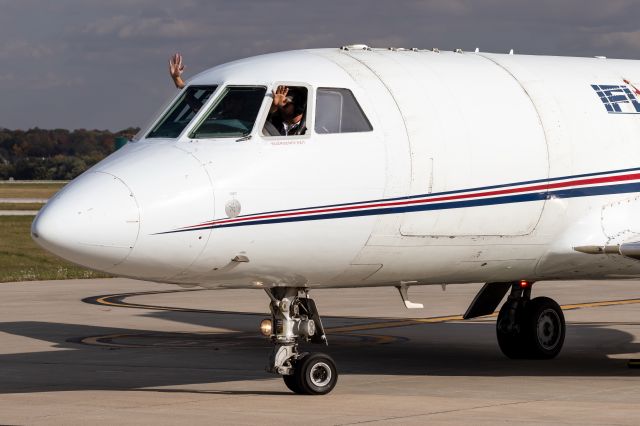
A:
{"x": 21, "y": 259}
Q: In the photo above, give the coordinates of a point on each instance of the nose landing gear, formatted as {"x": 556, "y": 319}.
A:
{"x": 530, "y": 328}
{"x": 293, "y": 318}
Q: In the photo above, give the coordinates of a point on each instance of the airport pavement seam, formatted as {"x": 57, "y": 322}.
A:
{"x": 442, "y": 412}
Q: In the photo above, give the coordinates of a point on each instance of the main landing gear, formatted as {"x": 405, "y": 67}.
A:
{"x": 526, "y": 328}
{"x": 530, "y": 328}
{"x": 293, "y": 317}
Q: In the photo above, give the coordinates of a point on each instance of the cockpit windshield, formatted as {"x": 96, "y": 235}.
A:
{"x": 233, "y": 115}
{"x": 182, "y": 112}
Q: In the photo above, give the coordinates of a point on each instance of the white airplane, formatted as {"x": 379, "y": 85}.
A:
{"x": 417, "y": 167}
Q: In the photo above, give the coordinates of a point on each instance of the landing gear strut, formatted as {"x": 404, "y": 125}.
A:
{"x": 293, "y": 317}
{"x": 530, "y": 328}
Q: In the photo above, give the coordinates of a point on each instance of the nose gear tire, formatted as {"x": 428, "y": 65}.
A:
{"x": 293, "y": 383}
{"x": 314, "y": 374}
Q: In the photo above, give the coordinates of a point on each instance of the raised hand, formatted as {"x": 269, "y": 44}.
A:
{"x": 280, "y": 96}
{"x": 176, "y": 68}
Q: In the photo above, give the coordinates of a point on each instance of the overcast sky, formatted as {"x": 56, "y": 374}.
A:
{"x": 103, "y": 64}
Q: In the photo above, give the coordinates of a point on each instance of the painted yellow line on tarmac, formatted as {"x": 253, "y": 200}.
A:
{"x": 189, "y": 340}
{"x": 378, "y": 339}
{"x": 104, "y": 301}
{"x": 600, "y": 304}
{"x": 435, "y": 320}
{"x": 99, "y": 340}
{"x": 392, "y": 324}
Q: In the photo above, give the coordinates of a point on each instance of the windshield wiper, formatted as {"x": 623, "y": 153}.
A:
{"x": 246, "y": 137}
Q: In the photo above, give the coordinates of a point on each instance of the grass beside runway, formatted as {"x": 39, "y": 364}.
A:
{"x": 29, "y": 190}
{"x": 21, "y": 259}
{"x": 20, "y": 206}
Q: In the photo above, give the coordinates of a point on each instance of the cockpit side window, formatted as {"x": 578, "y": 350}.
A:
{"x": 233, "y": 115}
{"x": 337, "y": 111}
{"x": 182, "y": 112}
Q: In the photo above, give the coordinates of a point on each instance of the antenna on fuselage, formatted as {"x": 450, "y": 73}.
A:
{"x": 355, "y": 47}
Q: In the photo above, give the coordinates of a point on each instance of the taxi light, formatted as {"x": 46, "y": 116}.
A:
{"x": 266, "y": 327}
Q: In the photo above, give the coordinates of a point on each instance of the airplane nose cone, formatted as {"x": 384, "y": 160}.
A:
{"x": 94, "y": 221}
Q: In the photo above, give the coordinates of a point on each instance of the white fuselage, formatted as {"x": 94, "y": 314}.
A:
{"x": 479, "y": 168}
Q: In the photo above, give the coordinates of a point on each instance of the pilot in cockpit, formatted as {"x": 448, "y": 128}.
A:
{"x": 287, "y": 112}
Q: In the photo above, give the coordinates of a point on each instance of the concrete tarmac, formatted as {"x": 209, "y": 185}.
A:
{"x": 164, "y": 355}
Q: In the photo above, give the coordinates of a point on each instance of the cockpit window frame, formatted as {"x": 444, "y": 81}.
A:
{"x": 170, "y": 105}
{"x": 309, "y": 115}
{"x": 213, "y": 102}
{"x": 358, "y": 106}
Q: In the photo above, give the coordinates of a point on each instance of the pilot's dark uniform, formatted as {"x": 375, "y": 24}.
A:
{"x": 276, "y": 126}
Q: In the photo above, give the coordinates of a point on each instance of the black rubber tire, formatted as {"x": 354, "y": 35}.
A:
{"x": 292, "y": 382}
{"x": 539, "y": 329}
{"x": 316, "y": 373}
{"x": 511, "y": 341}
{"x": 544, "y": 328}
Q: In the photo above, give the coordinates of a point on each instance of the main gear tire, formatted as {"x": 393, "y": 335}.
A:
{"x": 545, "y": 328}
{"x": 509, "y": 330}
{"x": 532, "y": 329}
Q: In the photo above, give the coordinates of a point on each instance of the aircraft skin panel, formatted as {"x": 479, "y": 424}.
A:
{"x": 502, "y": 137}
{"x": 167, "y": 195}
{"x": 619, "y": 219}
{"x": 389, "y": 120}
{"x": 591, "y": 137}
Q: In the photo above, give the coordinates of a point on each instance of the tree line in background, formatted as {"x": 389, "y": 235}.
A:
{"x": 59, "y": 154}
